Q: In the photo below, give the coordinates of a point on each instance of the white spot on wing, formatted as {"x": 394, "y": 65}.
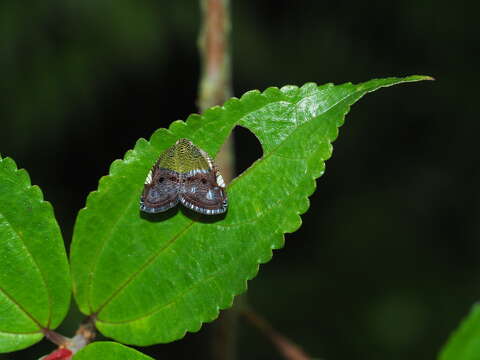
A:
{"x": 210, "y": 163}
{"x": 209, "y": 195}
{"x": 220, "y": 181}
{"x": 148, "y": 179}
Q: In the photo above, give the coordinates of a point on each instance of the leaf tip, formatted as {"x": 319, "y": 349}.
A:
{"x": 419, "y": 78}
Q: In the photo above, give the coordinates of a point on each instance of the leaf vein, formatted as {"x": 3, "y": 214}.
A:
{"x": 19, "y": 306}
{"x": 149, "y": 261}
{"x": 42, "y": 276}
{"x": 104, "y": 241}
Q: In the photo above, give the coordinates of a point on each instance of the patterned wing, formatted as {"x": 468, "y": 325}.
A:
{"x": 187, "y": 174}
{"x": 161, "y": 190}
{"x": 203, "y": 192}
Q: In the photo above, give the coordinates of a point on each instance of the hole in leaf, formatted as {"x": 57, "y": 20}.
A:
{"x": 247, "y": 149}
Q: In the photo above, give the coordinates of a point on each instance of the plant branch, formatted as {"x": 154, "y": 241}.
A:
{"x": 215, "y": 88}
{"x": 84, "y": 335}
{"x": 285, "y": 346}
{"x": 215, "y": 81}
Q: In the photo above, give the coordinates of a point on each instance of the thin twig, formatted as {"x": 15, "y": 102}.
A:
{"x": 56, "y": 338}
{"x": 84, "y": 335}
{"x": 285, "y": 346}
{"x": 216, "y": 80}
{"x": 214, "y": 89}
{"x": 215, "y": 83}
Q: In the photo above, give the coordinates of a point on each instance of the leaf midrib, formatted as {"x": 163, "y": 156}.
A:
{"x": 159, "y": 308}
{"x": 150, "y": 260}
{"x": 42, "y": 276}
{"x": 20, "y": 307}
{"x": 105, "y": 240}
{"x": 13, "y": 333}
{"x": 220, "y": 270}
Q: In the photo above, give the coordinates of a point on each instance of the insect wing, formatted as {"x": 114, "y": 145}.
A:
{"x": 161, "y": 191}
{"x": 184, "y": 173}
{"x": 201, "y": 192}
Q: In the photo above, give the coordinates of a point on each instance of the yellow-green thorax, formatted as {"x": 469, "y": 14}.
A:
{"x": 184, "y": 157}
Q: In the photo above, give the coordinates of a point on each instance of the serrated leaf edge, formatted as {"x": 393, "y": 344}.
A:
{"x": 40, "y": 197}
{"x": 294, "y": 216}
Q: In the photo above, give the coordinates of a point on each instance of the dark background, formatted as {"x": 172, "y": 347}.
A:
{"x": 386, "y": 262}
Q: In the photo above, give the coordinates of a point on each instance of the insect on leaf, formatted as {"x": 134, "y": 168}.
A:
{"x": 149, "y": 278}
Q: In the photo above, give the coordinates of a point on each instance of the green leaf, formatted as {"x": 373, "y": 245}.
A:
{"x": 464, "y": 343}
{"x": 106, "y": 350}
{"x": 34, "y": 272}
{"x": 149, "y": 279}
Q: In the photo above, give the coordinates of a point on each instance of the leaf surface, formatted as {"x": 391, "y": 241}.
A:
{"x": 106, "y": 350}
{"x": 464, "y": 343}
{"x": 34, "y": 273}
{"x": 149, "y": 279}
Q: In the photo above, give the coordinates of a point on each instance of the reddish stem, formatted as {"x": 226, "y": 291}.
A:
{"x": 286, "y": 347}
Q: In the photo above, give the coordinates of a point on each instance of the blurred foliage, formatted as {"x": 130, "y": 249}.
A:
{"x": 55, "y": 53}
{"x": 391, "y": 239}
